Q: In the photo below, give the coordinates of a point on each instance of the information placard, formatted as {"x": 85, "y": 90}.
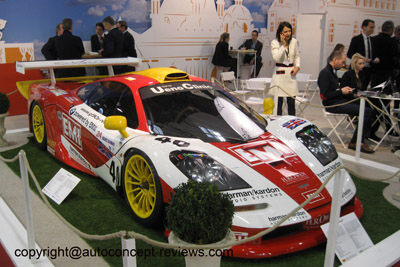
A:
{"x": 60, "y": 186}
{"x": 352, "y": 239}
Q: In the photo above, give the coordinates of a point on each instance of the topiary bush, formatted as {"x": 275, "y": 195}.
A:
{"x": 4, "y": 103}
{"x": 199, "y": 214}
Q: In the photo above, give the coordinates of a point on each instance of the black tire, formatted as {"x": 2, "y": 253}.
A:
{"x": 38, "y": 126}
{"x": 142, "y": 188}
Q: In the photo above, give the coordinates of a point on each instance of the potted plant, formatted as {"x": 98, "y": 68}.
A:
{"x": 199, "y": 214}
{"x": 4, "y": 106}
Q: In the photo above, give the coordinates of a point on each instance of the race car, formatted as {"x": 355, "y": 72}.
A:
{"x": 146, "y": 132}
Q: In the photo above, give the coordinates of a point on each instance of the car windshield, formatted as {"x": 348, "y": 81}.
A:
{"x": 199, "y": 110}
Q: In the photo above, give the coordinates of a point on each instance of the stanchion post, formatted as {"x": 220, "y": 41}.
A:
{"x": 360, "y": 127}
{"x": 334, "y": 218}
{"x": 128, "y": 247}
{"x": 28, "y": 207}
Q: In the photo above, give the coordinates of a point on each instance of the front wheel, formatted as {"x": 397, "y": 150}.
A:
{"x": 38, "y": 126}
{"x": 142, "y": 188}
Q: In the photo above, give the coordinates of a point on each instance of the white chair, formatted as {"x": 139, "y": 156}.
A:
{"x": 339, "y": 123}
{"x": 228, "y": 79}
{"x": 305, "y": 95}
{"x": 260, "y": 85}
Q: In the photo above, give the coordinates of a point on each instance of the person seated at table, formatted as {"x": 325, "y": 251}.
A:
{"x": 332, "y": 96}
{"x": 253, "y": 44}
{"x": 355, "y": 78}
{"x": 221, "y": 55}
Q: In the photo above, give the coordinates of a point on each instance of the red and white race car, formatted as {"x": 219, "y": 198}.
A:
{"x": 146, "y": 132}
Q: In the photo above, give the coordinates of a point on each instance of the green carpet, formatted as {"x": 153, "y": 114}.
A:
{"x": 94, "y": 208}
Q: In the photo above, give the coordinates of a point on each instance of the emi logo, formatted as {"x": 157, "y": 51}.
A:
{"x": 72, "y": 131}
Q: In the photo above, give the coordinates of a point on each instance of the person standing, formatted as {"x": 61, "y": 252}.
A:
{"x": 69, "y": 46}
{"x": 221, "y": 55}
{"x": 113, "y": 42}
{"x": 96, "y": 40}
{"x": 128, "y": 49}
{"x": 285, "y": 53}
{"x": 396, "y": 39}
{"x": 331, "y": 95}
{"x": 253, "y": 44}
{"x": 385, "y": 51}
{"x": 49, "y": 48}
{"x": 363, "y": 45}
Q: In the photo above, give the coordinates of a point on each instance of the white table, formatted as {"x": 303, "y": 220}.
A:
{"x": 239, "y": 54}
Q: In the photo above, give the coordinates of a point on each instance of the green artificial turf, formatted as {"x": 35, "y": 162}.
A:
{"x": 95, "y": 208}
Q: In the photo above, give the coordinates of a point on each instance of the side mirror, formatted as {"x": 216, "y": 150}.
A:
{"x": 116, "y": 123}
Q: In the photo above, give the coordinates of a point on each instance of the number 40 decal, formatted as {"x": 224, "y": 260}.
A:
{"x": 175, "y": 142}
{"x": 114, "y": 172}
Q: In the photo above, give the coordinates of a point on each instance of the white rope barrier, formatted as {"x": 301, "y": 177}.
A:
{"x": 131, "y": 234}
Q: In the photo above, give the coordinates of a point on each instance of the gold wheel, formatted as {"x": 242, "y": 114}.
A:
{"x": 38, "y": 126}
{"x": 142, "y": 188}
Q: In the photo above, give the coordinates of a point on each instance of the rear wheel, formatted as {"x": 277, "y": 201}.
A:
{"x": 38, "y": 126}
{"x": 142, "y": 188}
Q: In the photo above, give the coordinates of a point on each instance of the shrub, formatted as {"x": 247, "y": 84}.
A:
{"x": 198, "y": 213}
{"x": 4, "y": 103}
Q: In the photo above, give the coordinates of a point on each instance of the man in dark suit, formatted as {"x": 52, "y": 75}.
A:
{"x": 385, "y": 51}
{"x": 49, "y": 48}
{"x": 128, "y": 49}
{"x": 96, "y": 40}
{"x": 113, "y": 42}
{"x": 363, "y": 45}
{"x": 253, "y": 44}
{"x": 69, "y": 46}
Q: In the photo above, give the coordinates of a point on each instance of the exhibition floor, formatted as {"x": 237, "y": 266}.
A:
{"x": 51, "y": 232}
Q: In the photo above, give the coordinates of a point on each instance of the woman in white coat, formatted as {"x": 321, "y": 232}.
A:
{"x": 285, "y": 53}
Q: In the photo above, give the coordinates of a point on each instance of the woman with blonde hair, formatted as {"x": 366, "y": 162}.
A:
{"x": 355, "y": 78}
{"x": 221, "y": 55}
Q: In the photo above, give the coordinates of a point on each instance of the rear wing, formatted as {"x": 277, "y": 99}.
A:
{"x": 75, "y": 63}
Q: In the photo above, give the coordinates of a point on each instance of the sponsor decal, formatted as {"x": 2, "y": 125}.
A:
{"x": 188, "y": 86}
{"x": 295, "y": 178}
{"x": 176, "y": 142}
{"x": 51, "y": 143}
{"x": 103, "y": 150}
{"x": 78, "y": 157}
{"x": 85, "y": 117}
{"x": 167, "y": 88}
{"x": 59, "y": 115}
{"x": 329, "y": 169}
{"x": 241, "y": 235}
{"x": 72, "y": 131}
{"x": 263, "y": 154}
{"x": 255, "y": 194}
{"x": 315, "y": 223}
{"x": 51, "y": 150}
{"x": 58, "y": 92}
{"x": 108, "y": 141}
{"x": 293, "y": 124}
{"x": 70, "y": 99}
{"x": 317, "y": 198}
{"x": 300, "y": 215}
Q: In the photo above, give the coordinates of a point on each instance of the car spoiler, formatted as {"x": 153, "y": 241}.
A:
{"x": 21, "y": 66}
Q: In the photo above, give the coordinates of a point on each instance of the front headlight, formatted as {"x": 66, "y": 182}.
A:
{"x": 318, "y": 144}
{"x": 202, "y": 168}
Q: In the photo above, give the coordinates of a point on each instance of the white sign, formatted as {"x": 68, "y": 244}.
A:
{"x": 59, "y": 187}
{"x": 352, "y": 239}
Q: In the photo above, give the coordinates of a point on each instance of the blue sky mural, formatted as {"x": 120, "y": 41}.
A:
{"x": 35, "y": 20}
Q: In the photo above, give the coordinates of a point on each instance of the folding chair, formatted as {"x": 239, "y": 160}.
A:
{"x": 337, "y": 120}
{"x": 257, "y": 84}
{"x": 227, "y": 79}
{"x": 304, "y": 98}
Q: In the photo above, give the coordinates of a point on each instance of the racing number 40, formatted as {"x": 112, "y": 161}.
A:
{"x": 114, "y": 172}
